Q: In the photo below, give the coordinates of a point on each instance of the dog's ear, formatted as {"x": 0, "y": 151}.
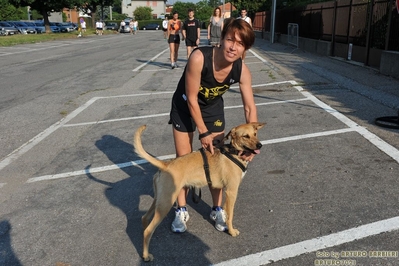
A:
{"x": 258, "y": 125}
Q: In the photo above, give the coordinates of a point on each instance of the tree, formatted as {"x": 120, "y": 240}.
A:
{"x": 204, "y": 11}
{"x": 143, "y": 13}
{"x": 10, "y": 12}
{"x": 45, "y": 7}
{"x": 90, "y": 7}
{"x": 251, "y": 6}
{"x": 182, "y": 9}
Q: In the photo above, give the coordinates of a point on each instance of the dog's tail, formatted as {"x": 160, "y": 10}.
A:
{"x": 139, "y": 149}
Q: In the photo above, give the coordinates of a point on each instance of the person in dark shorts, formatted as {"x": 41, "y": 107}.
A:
{"x": 174, "y": 27}
{"x": 191, "y": 32}
{"x": 197, "y": 104}
{"x": 165, "y": 27}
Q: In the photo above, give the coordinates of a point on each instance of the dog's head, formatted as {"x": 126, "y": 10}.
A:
{"x": 244, "y": 137}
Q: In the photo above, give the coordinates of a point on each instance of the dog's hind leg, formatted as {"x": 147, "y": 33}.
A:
{"x": 147, "y": 216}
{"x": 231, "y": 197}
{"x": 166, "y": 194}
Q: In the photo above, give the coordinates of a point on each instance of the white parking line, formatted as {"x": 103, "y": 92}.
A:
{"x": 171, "y": 156}
{"x": 315, "y": 244}
{"x": 152, "y": 59}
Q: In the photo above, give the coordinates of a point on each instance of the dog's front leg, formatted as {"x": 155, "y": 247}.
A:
{"x": 231, "y": 196}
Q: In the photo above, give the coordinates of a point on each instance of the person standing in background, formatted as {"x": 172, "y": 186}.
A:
{"x": 99, "y": 28}
{"x": 131, "y": 26}
{"x": 83, "y": 25}
{"x": 174, "y": 27}
{"x": 215, "y": 27}
{"x": 135, "y": 26}
{"x": 243, "y": 16}
{"x": 165, "y": 27}
{"x": 123, "y": 25}
{"x": 191, "y": 32}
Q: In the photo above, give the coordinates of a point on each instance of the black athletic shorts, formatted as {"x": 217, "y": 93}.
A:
{"x": 174, "y": 38}
{"x": 190, "y": 43}
{"x": 213, "y": 117}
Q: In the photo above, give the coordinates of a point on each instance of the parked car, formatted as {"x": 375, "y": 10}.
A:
{"x": 64, "y": 26}
{"x": 75, "y": 26}
{"x": 111, "y": 26}
{"x": 39, "y": 29}
{"x": 8, "y": 28}
{"x": 151, "y": 26}
{"x": 53, "y": 28}
{"x": 22, "y": 27}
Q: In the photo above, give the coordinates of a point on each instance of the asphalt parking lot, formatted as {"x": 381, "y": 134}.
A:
{"x": 323, "y": 189}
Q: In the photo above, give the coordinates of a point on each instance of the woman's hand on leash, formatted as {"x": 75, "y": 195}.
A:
{"x": 206, "y": 143}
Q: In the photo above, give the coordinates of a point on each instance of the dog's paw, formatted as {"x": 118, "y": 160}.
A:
{"x": 234, "y": 232}
{"x": 150, "y": 257}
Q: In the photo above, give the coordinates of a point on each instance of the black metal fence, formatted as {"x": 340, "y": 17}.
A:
{"x": 373, "y": 24}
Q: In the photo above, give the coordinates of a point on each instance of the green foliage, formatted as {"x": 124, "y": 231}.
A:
{"x": 250, "y": 5}
{"x": 143, "y": 13}
{"x": 202, "y": 10}
{"x": 117, "y": 16}
{"x": 10, "y": 12}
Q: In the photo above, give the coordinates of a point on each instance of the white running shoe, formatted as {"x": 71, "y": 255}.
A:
{"x": 173, "y": 65}
{"x": 219, "y": 217}
{"x": 181, "y": 218}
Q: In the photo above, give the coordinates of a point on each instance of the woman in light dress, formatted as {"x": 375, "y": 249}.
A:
{"x": 215, "y": 27}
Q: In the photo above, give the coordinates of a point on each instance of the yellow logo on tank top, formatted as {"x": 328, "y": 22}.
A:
{"x": 212, "y": 93}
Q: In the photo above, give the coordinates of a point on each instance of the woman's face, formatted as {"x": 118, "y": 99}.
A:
{"x": 217, "y": 12}
{"x": 232, "y": 46}
{"x": 175, "y": 16}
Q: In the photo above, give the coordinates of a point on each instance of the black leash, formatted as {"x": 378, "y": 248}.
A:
{"x": 196, "y": 199}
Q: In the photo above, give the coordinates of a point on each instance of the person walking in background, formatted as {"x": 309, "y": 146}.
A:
{"x": 197, "y": 104}
{"x": 131, "y": 26}
{"x": 165, "y": 27}
{"x": 215, "y": 27}
{"x": 244, "y": 16}
{"x": 123, "y": 25}
{"x": 83, "y": 25}
{"x": 99, "y": 28}
{"x": 191, "y": 32}
{"x": 174, "y": 27}
{"x": 135, "y": 26}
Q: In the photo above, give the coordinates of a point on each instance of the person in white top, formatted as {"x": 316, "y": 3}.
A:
{"x": 245, "y": 17}
{"x": 99, "y": 28}
{"x": 165, "y": 27}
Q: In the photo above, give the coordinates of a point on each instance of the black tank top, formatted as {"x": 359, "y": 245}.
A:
{"x": 210, "y": 91}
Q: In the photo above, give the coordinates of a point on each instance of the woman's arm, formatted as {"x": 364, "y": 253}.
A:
{"x": 193, "y": 83}
{"x": 248, "y": 102}
{"x": 247, "y": 95}
{"x": 209, "y": 29}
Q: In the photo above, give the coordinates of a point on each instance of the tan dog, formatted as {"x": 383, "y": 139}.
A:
{"x": 188, "y": 171}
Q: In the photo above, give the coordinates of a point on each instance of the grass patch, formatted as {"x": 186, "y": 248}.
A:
{"x": 44, "y": 37}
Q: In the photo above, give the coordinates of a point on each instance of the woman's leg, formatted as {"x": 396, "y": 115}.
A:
{"x": 172, "y": 52}
{"x": 183, "y": 145}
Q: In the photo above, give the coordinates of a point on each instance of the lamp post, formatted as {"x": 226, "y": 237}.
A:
{"x": 273, "y": 20}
